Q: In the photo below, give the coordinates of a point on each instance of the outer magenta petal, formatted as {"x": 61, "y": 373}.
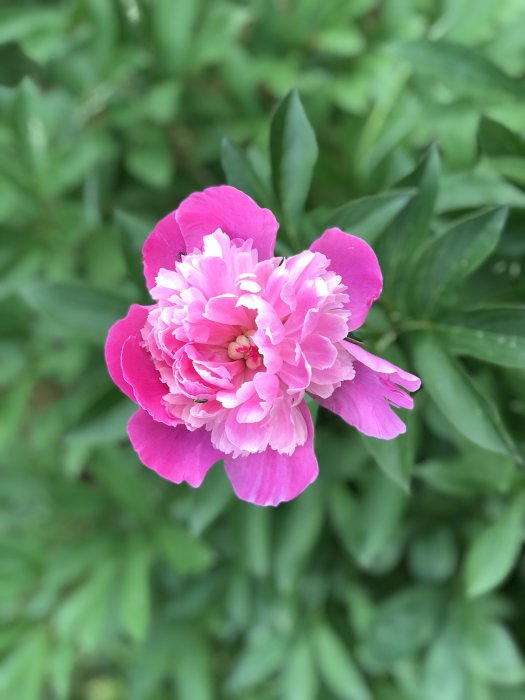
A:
{"x": 269, "y": 478}
{"x": 230, "y": 210}
{"x": 141, "y": 374}
{"x": 174, "y": 452}
{"x": 117, "y": 336}
{"x": 162, "y": 248}
{"x": 365, "y": 401}
{"x": 355, "y": 261}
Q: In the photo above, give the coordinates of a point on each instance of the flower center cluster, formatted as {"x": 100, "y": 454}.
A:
{"x": 238, "y": 342}
{"x": 243, "y": 348}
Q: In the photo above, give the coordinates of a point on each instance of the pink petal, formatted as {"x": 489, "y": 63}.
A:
{"x": 355, "y": 261}
{"x": 140, "y": 373}
{"x": 162, "y": 248}
{"x": 233, "y": 212}
{"x": 268, "y": 478}
{"x": 174, "y": 452}
{"x": 365, "y": 401}
{"x": 117, "y": 336}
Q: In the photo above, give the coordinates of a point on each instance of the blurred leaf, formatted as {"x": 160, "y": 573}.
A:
{"x": 468, "y": 476}
{"x": 491, "y": 653}
{"x": 22, "y": 673}
{"x": 187, "y": 554}
{"x": 455, "y": 254}
{"x": 492, "y": 334}
{"x": 261, "y": 658}
{"x": 459, "y": 66}
{"x": 298, "y": 679}
{"x": 444, "y": 676}
{"x": 433, "y": 555}
{"x": 337, "y": 669}
{"x": 241, "y": 173}
{"x": 298, "y": 535}
{"x": 395, "y": 457}
{"x": 405, "y": 623}
{"x": 193, "y": 670}
{"x": 76, "y": 308}
{"x": 494, "y": 552}
{"x": 456, "y": 396}
{"x": 17, "y": 23}
{"x": 133, "y": 233}
{"x": 105, "y": 428}
{"x": 293, "y": 151}
{"x": 496, "y": 140}
{"x": 134, "y": 599}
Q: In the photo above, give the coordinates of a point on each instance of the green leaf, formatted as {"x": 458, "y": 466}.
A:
{"x": 433, "y": 555}
{"x": 241, "y": 173}
{"x": 494, "y": 552}
{"x": 456, "y": 396}
{"x": 408, "y": 232}
{"x": 493, "y": 334}
{"x": 187, "y": 554}
{"x": 496, "y": 140}
{"x": 491, "y": 653}
{"x": 134, "y": 599}
{"x": 261, "y": 658}
{"x": 298, "y": 534}
{"x": 444, "y": 675}
{"x": 405, "y": 623}
{"x": 293, "y": 152}
{"x": 451, "y": 257}
{"x": 133, "y": 233}
{"x": 395, "y": 457}
{"x": 76, "y": 308}
{"x": 459, "y": 66}
{"x": 369, "y": 216}
{"x": 16, "y": 23}
{"x": 193, "y": 670}
{"x": 22, "y": 671}
{"x": 108, "y": 427}
{"x": 336, "y": 666}
{"x": 470, "y": 475}
{"x": 298, "y": 680}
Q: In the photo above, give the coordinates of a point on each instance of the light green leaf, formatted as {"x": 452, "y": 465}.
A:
{"x": 405, "y": 623}
{"x": 433, "y": 555}
{"x": 456, "y": 396}
{"x": 108, "y": 427}
{"x": 298, "y": 535}
{"x": 293, "y": 152}
{"x": 451, "y": 257}
{"x": 459, "y": 66}
{"x": 134, "y": 599}
{"x": 336, "y": 666}
{"x": 187, "y": 554}
{"x": 193, "y": 670}
{"x": 298, "y": 680}
{"x": 22, "y": 671}
{"x": 493, "y": 553}
{"x": 133, "y": 233}
{"x": 492, "y": 334}
{"x": 491, "y": 652}
{"x": 261, "y": 658}
{"x": 444, "y": 675}
{"x": 76, "y": 308}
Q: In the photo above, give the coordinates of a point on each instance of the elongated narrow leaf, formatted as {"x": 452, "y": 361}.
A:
{"x": 293, "y": 152}
{"x": 459, "y": 66}
{"x": 450, "y": 258}
{"x": 368, "y": 217}
{"x": 409, "y": 230}
{"x": 494, "y": 552}
{"x": 298, "y": 680}
{"x": 134, "y": 599}
{"x": 240, "y": 172}
{"x": 495, "y": 334}
{"x": 260, "y": 659}
{"x": 77, "y": 308}
{"x": 455, "y": 395}
{"x": 491, "y": 653}
{"x": 133, "y": 233}
{"x": 336, "y": 665}
{"x": 394, "y": 457}
{"x": 496, "y": 140}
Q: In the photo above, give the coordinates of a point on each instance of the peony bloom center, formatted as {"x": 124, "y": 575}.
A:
{"x": 243, "y": 348}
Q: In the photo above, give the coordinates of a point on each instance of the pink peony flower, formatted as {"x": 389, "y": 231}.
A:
{"x": 221, "y": 362}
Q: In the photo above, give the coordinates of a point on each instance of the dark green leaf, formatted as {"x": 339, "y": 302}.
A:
{"x": 241, "y": 173}
{"x": 448, "y": 259}
{"x": 456, "y": 396}
{"x": 293, "y": 151}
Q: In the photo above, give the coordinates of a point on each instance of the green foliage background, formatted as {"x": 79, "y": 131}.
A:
{"x": 399, "y": 574}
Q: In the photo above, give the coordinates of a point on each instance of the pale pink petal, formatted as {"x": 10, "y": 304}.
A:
{"x": 233, "y": 212}
{"x": 141, "y": 374}
{"x": 269, "y": 478}
{"x": 162, "y": 248}
{"x": 117, "y": 336}
{"x": 174, "y": 452}
{"x": 366, "y": 400}
{"x": 355, "y": 261}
